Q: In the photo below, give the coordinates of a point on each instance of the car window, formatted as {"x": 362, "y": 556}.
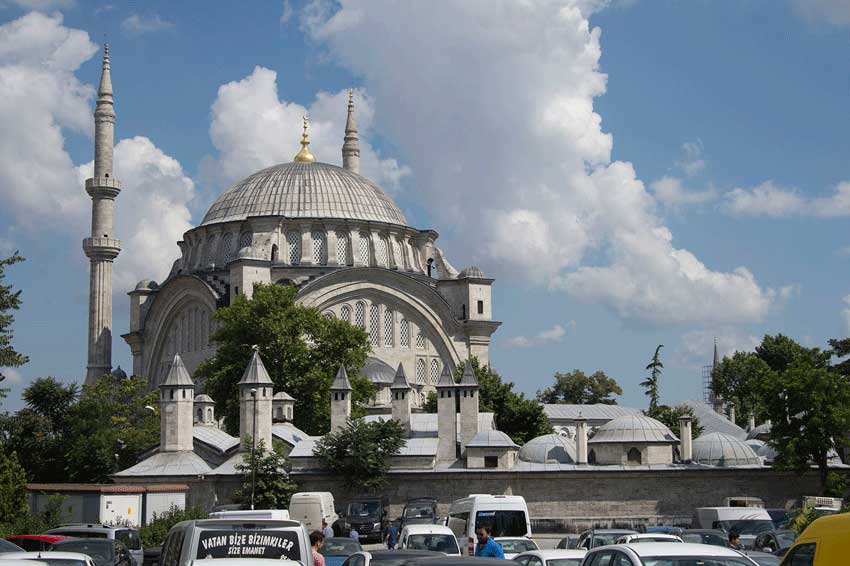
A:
{"x": 130, "y": 538}
{"x": 172, "y": 548}
{"x": 534, "y": 561}
{"x": 564, "y": 562}
{"x": 601, "y": 559}
{"x": 621, "y": 559}
{"x": 522, "y": 559}
{"x": 803, "y": 555}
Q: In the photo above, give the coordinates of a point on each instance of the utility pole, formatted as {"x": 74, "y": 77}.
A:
{"x": 253, "y": 448}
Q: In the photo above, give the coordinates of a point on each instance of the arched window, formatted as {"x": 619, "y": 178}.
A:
{"x": 228, "y": 253}
{"x": 381, "y": 255}
{"x": 404, "y": 333}
{"x": 210, "y": 414}
{"x": 245, "y": 240}
{"x": 200, "y": 415}
{"x": 420, "y": 371}
{"x": 279, "y": 412}
{"x": 364, "y": 248}
{"x": 345, "y": 313}
{"x": 374, "y": 324}
{"x": 397, "y": 253}
{"x": 435, "y": 371}
{"x": 329, "y": 315}
{"x": 289, "y": 413}
{"x": 360, "y": 315}
{"x": 293, "y": 242}
{"x": 274, "y": 252}
{"x": 389, "y": 327}
{"x": 420, "y": 340}
{"x": 342, "y": 257}
{"x": 320, "y": 248}
{"x": 633, "y": 456}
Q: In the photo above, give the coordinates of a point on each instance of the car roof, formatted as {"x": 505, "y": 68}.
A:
{"x": 554, "y": 553}
{"x": 347, "y": 539}
{"x": 706, "y": 531}
{"x": 426, "y": 528}
{"x": 233, "y": 521}
{"x": 402, "y": 553}
{"x": 613, "y": 532}
{"x": 47, "y": 554}
{"x": 19, "y": 562}
{"x": 245, "y": 562}
{"x": 460, "y": 560}
{"x": 72, "y": 540}
{"x": 46, "y": 538}
{"x": 684, "y": 549}
{"x": 654, "y": 535}
{"x": 512, "y": 538}
{"x": 87, "y": 527}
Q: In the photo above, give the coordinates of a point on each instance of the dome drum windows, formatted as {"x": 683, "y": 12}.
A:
{"x": 382, "y": 253}
{"x": 374, "y": 325}
{"x": 342, "y": 247}
{"x": 293, "y": 244}
{"x": 320, "y": 248}
{"x": 363, "y": 249}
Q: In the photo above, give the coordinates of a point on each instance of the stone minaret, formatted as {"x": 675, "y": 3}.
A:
{"x": 176, "y": 401}
{"x": 400, "y": 393}
{"x": 446, "y": 417}
{"x": 351, "y": 146}
{"x": 102, "y": 247}
{"x": 255, "y": 396}
{"x": 340, "y": 400}
{"x": 468, "y": 393}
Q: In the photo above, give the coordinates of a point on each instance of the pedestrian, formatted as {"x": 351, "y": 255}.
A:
{"x": 326, "y": 529}
{"x": 317, "y": 539}
{"x": 354, "y": 534}
{"x": 391, "y": 536}
{"x": 487, "y": 547}
{"x": 735, "y": 541}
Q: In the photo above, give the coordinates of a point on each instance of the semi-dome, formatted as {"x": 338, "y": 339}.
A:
{"x": 760, "y": 432}
{"x": 549, "y": 449}
{"x": 305, "y": 190}
{"x": 633, "y": 428}
{"x": 718, "y": 449}
{"x": 146, "y": 285}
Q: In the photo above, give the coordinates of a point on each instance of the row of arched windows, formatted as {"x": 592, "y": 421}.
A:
{"x": 386, "y": 327}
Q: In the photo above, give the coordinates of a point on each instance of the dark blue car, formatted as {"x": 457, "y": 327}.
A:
{"x": 336, "y": 550}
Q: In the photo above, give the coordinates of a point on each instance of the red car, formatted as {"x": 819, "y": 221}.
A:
{"x": 35, "y": 543}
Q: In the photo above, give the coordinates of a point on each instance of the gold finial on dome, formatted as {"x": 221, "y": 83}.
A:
{"x": 304, "y": 156}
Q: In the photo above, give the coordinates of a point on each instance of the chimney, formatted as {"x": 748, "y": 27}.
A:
{"x": 686, "y": 452}
{"x": 176, "y": 399}
{"x": 467, "y": 390}
{"x": 581, "y": 440}
{"x": 400, "y": 393}
{"x": 446, "y": 417}
{"x": 255, "y": 405}
{"x": 752, "y": 422}
{"x": 340, "y": 400}
{"x": 732, "y": 412}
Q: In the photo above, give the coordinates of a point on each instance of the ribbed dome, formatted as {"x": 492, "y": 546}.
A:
{"x": 548, "y": 449}
{"x": 718, "y": 449}
{"x": 305, "y": 190}
{"x": 762, "y": 430}
{"x": 633, "y": 428}
{"x": 473, "y": 272}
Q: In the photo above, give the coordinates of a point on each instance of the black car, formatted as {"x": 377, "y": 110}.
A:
{"x": 419, "y": 511}
{"x": 773, "y": 541}
{"x": 103, "y": 551}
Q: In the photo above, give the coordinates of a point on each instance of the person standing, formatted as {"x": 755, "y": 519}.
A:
{"x": 391, "y": 536}
{"x": 735, "y": 541}
{"x": 326, "y": 529}
{"x": 487, "y": 547}
{"x": 317, "y": 539}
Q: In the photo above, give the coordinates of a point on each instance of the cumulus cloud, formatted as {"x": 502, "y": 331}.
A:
{"x": 44, "y": 5}
{"x": 672, "y": 192}
{"x": 134, "y": 24}
{"x": 252, "y": 128}
{"x": 491, "y": 105}
{"x": 696, "y": 347}
{"x": 41, "y": 188}
{"x": 548, "y": 336}
{"x": 773, "y": 201}
{"x": 833, "y": 12}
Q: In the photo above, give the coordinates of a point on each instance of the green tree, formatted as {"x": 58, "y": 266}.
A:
{"x": 737, "y": 380}
{"x": 360, "y": 452}
{"x": 651, "y": 383}
{"x": 301, "y": 349}
{"x": 430, "y": 404}
{"x": 51, "y": 516}
{"x": 268, "y": 472}
{"x": 9, "y": 301}
{"x": 579, "y": 388}
{"x": 670, "y": 416}
{"x": 153, "y": 534}
{"x": 13, "y": 489}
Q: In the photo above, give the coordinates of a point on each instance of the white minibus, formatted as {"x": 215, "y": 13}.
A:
{"x": 506, "y": 515}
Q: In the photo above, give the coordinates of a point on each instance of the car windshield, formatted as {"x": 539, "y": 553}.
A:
{"x": 564, "y": 562}
{"x": 515, "y": 546}
{"x": 130, "y": 538}
{"x": 605, "y": 539}
{"x": 83, "y": 534}
{"x": 240, "y": 543}
{"x": 60, "y": 561}
{"x": 436, "y": 542}
{"x": 364, "y": 508}
{"x": 704, "y": 538}
{"x": 339, "y": 547}
{"x": 746, "y": 527}
{"x": 6, "y": 546}
{"x": 786, "y": 538}
{"x": 102, "y": 552}
{"x": 502, "y": 523}
{"x": 695, "y": 561}
{"x": 418, "y": 511}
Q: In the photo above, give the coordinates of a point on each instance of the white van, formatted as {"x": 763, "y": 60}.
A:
{"x": 506, "y": 515}
{"x": 310, "y": 507}
{"x": 438, "y": 538}
{"x": 260, "y": 514}
{"x": 748, "y": 522}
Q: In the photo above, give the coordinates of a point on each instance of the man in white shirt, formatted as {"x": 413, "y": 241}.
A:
{"x": 326, "y": 529}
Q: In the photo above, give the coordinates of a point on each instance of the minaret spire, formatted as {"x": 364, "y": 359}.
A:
{"x": 351, "y": 145}
{"x": 102, "y": 247}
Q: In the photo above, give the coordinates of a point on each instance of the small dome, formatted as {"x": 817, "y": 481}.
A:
{"x": 767, "y": 452}
{"x": 282, "y": 396}
{"x": 472, "y": 271}
{"x": 633, "y": 428}
{"x": 203, "y": 398}
{"x": 146, "y": 285}
{"x": 120, "y": 373}
{"x": 548, "y": 449}
{"x": 755, "y": 444}
{"x": 492, "y": 439}
{"x": 718, "y": 449}
{"x": 761, "y": 430}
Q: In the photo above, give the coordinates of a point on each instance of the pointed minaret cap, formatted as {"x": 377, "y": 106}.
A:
{"x": 446, "y": 380}
{"x": 468, "y": 377}
{"x": 177, "y": 375}
{"x": 105, "y": 87}
{"x": 304, "y": 156}
{"x": 716, "y": 361}
{"x": 400, "y": 381}
{"x": 255, "y": 373}
{"x": 341, "y": 382}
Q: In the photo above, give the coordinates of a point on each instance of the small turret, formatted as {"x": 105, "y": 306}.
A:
{"x": 468, "y": 393}
{"x": 446, "y": 416}
{"x": 400, "y": 393}
{"x": 340, "y": 400}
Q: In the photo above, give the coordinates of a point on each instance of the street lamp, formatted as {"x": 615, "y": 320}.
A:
{"x": 253, "y": 447}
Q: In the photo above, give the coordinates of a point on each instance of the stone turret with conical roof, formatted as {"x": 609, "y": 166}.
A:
{"x": 446, "y": 416}
{"x": 351, "y": 145}
{"x": 255, "y": 404}
{"x": 340, "y": 400}
{"x": 468, "y": 393}
{"x": 176, "y": 402}
{"x": 400, "y": 393}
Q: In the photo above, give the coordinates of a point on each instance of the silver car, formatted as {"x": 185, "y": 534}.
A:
{"x": 128, "y": 535}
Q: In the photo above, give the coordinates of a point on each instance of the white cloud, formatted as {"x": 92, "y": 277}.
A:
{"x": 44, "y": 5}
{"x": 12, "y": 376}
{"x": 491, "y": 104}
{"x": 770, "y": 200}
{"x": 286, "y": 12}
{"x": 135, "y": 24}
{"x": 548, "y": 336}
{"x": 696, "y": 348}
{"x": 692, "y": 163}
{"x": 671, "y": 192}
{"x": 252, "y": 128}
{"x": 845, "y": 313}
{"x": 834, "y": 12}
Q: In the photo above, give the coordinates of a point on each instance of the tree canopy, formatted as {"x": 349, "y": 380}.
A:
{"x": 301, "y": 349}
{"x": 652, "y": 382}
{"x": 577, "y": 387}
{"x": 670, "y": 416}
{"x": 268, "y": 471}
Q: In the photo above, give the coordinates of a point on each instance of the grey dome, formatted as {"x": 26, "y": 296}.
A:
{"x": 282, "y": 396}
{"x": 755, "y": 444}
{"x": 203, "y": 398}
{"x": 633, "y": 428}
{"x": 767, "y": 452}
{"x": 146, "y": 285}
{"x": 718, "y": 449}
{"x": 472, "y": 271}
{"x": 492, "y": 439}
{"x": 377, "y": 371}
{"x": 548, "y": 449}
{"x": 760, "y": 430}
{"x": 305, "y": 190}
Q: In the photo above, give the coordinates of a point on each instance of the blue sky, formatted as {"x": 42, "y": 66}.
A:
{"x": 712, "y": 133}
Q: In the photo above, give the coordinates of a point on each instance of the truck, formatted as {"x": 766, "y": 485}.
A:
{"x": 366, "y": 514}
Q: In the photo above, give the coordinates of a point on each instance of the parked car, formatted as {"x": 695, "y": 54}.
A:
{"x": 389, "y": 557}
{"x": 647, "y": 537}
{"x": 506, "y": 515}
{"x": 773, "y": 541}
{"x": 417, "y": 511}
{"x": 53, "y": 558}
{"x": 706, "y": 536}
{"x": 568, "y": 541}
{"x": 6, "y": 546}
{"x": 18, "y": 562}
{"x": 34, "y": 543}
{"x": 601, "y": 537}
{"x": 244, "y": 562}
{"x": 763, "y": 558}
{"x": 438, "y": 538}
{"x": 104, "y": 552}
{"x": 666, "y": 554}
{"x": 367, "y": 514}
{"x": 666, "y": 529}
{"x": 128, "y": 535}
{"x": 336, "y": 550}
{"x": 825, "y": 542}
{"x": 512, "y": 546}
{"x": 562, "y": 557}
{"x": 152, "y": 556}
{"x": 456, "y": 561}
{"x": 189, "y": 541}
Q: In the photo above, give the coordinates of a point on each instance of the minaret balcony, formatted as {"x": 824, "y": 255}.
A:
{"x": 104, "y": 187}
{"x": 101, "y": 248}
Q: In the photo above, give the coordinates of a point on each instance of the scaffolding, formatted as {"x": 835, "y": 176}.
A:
{"x": 707, "y": 393}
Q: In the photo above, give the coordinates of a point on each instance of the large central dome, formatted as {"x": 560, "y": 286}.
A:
{"x": 305, "y": 190}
